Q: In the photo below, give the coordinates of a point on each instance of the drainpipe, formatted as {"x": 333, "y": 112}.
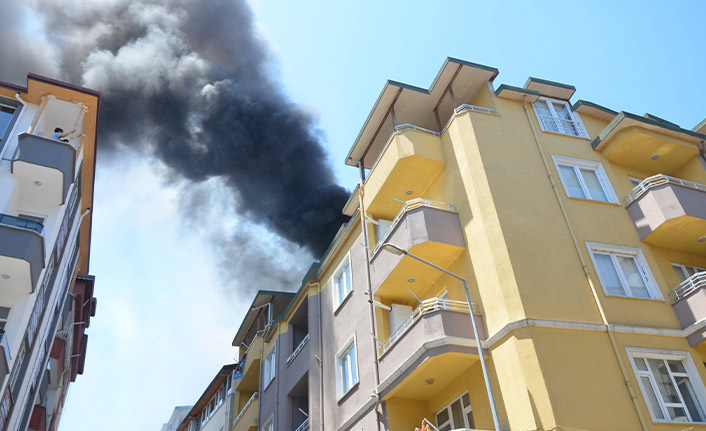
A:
{"x": 319, "y": 360}
{"x": 369, "y": 292}
{"x": 596, "y": 299}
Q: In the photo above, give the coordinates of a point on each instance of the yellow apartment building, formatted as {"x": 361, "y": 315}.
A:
{"x": 580, "y": 232}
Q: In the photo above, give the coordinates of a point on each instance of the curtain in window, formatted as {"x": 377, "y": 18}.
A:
{"x": 610, "y": 278}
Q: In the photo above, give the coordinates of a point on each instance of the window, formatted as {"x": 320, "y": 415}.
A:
{"x": 346, "y": 369}
{"x": 623, "y": 271}
{"x": 456, "y": 415}
{"x": 556, "y": 116}
{"x": 269, "y": 425}
{"x": 342, "y": 286}
{"x": 269, "y": 366}
{"x": 670, "y": 385}
{"x": 685, "y": 271}
{"x": 8, "y": 109}
{"x": 584, "y": 179}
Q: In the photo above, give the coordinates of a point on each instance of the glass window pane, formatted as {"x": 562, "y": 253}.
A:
{"x": 442, "y": 417}
{"x": 633, "y": 277}
{"x": 457, "y": 414}
{"x": 347, "y": 278}
{"x": 562, "y": 111}
{"x": 354, "y": 372}
{"x": 676, "y": 366}
{"x": 664, "y": 382}
{"x": 677, "y": 414}
{"x": 595, "y": 190}
{"x": 571, "y": 181}
{"x": 640, "y": 364}
{"x": 651, "y": 397}
{"x": 687, "y": 393}
{"x": 681, "y": 274}
{"x": 466, "y": 400}
{"x": 609, "y": 276}
{"x": 469, "y": 418}
{"x": 5, "y": 117}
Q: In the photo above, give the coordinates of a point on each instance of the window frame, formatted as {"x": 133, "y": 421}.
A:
{"x": 342, "y": 391}
{"x": 269, "y": 424}
{"x": 464, "y": 411}
{"x": 576, "y": 165}
{"x": 338, "y": 300}
{"x": 269, "y": 359}
{"x": 692, "y": 374}
{"x": 583, "y": 133}
{"x": 18, "y": 107}
{"x": 644, "y": 268}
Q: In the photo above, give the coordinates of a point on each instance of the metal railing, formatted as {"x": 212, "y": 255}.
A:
{"x": 427, "y": 306}
{"x": 431, "y": 426}
{"x": 304, "y": 425}
{"x": 658, "y": 180}
{"x": 21, "y": 222}
{"x": 465, "y": 107}
{"x": 691, "y": 284}
{"x": 408, "y": 206}
{"x": 252, "y": 399}
{"x": 408, "y": 126}
{"x": 298, "y": 349}
{"x": 561, "y": 125}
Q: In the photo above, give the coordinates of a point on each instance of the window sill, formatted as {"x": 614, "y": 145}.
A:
{"x": 338, "y": 307}
{"x": 634, "y": 298}
{"x": 613, "y": 204}
{"x": 348, "y": 393}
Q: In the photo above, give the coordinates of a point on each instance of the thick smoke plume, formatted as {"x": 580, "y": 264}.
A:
{"x": 190, "y": 82}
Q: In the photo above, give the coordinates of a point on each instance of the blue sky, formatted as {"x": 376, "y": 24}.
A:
{"x": 165, "y": 321}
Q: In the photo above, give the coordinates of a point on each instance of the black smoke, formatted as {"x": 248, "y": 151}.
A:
{"x": 192, "y": 83}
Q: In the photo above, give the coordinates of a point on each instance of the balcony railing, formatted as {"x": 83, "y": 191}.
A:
{"x": 466, "y": 107}
{"x": 561, "y": 125}
{"x": 252, "y": 399}
{"x": 657, "y": 180}
{"x": 691, "y": 284}
{"x": 427, "y": 306}
{"x": 304, "y": 425}
{"x": 21, "y": 222}
{"x": 298, "y": 349}
{"x": 408, "y": 206}
{"x": 407, "y": 126}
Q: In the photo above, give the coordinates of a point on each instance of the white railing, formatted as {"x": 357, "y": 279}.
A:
{"x": 561, "y": 125}
{"x": 695, "y": 282}
{"x": 427, "y": 306}
{"x": 408, "y": 126}
{"x": 252, "y": 399}
{"x": 658, "y": 180}
{"x": 465, "y": 107}
{"x": 304, "y": 425}
{"x": 431, "y": 425}
{"x": 408, "y": 206}
{"x": 298, "y": 349}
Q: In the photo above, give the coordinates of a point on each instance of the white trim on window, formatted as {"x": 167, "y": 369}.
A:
{"x": 445, "y": 419}
{"x": 670, "y": 384}
{"x": 347, "y": 375}
{"x": 269, "y": 366}
{"x": 577, "y": 177}
{"x": 342, "y": 282}
{"x": 623, "y": 271}
{"x": 269, "y": 424}
{"x": 556, "y": 116}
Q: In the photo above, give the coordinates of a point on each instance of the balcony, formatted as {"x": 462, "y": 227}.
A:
{"x": 412, "y": 159}
{"x": 303, "y": 426}
{"x": 247, "y": 417}
{"x": 44, "y": 168}
{"x": 669, "y": 212}
{"x": 428, "y": 229}
{"x": 251, "y": 371}
{"x": 21, "y": 253}
{"x": 689, "y": 303}
{"x": 435, "y": 342}
{"x": 647, "y": 144}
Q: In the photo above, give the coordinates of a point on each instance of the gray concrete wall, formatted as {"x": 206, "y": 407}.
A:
{"x": 42, "y": 151}
{"x": 26, "y": 245}
{"x": 416, "y": 227}
{"x": 664, "y": 203}
{"x": 338, "y": 327}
